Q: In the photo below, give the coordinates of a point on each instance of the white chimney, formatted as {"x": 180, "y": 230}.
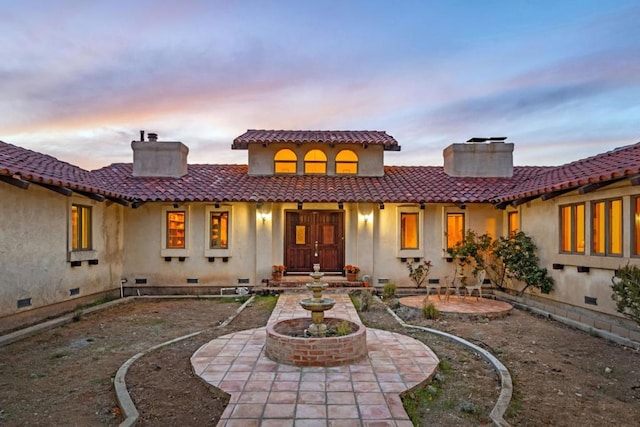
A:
{"x": 480, "y": 158}
{"x": 159, "y": 158}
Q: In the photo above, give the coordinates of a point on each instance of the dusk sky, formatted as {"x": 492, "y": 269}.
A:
{"x": 80, "y": 79}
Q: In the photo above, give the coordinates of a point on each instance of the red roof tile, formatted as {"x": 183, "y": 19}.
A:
{"x": 619, "y": 163}
{"x": 41, "y": 168}
{"x": 367, "y": 137}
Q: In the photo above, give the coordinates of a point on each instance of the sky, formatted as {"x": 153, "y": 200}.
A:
{"x": 80, "y": 79}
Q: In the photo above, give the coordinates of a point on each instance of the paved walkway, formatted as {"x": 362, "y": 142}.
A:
{"x": 462, "y": 305}
{"x": 266, "y": 393}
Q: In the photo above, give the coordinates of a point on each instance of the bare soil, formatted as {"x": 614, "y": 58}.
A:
{"x": 64, "y": 376}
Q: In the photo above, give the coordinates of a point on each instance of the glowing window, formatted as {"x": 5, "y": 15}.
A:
{"x": 512, "y": 220}
{"x": 346, "y": 163}
{"x": 80, "y": 227}
{"x": 607, "y": 227}
{"x": 219, "y": 238}
{"x": 455, "y": 229}
{"x": 572, "y": 226}
{"x": 176, "y": 230}
{"x": 315, "y": 162}
{"x": 285, "y": 161}
{"x": 409, "y": 230}
{"x": 636, "y": 226}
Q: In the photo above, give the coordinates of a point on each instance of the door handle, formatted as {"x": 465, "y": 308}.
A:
{"x": 316, "y": 249}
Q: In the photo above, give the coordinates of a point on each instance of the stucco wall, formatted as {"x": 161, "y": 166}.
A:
{"x": 34, "y": 251}
{"x": 540, "y": 219}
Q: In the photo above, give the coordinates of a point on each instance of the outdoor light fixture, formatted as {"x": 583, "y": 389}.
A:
{"x": 422, "y": 205}
{"x": 367, "y": 218}
{"x": 381, "y": 205}
{"x": 259, "y": 205}
{"x": 299, "y": 206}
{"x": 263, "y": 216}
{"x": 216, "y": 205}
{"x": 176, "y": 205}
{"x": 340, "y": 205}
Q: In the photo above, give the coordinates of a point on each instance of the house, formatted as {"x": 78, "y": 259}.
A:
{"x": 305, "y": 197}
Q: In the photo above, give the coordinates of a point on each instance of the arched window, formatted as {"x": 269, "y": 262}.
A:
{"x": 346, "y": 163}
{"x": 315, "y": 162}
{"x": 285, "y": 161}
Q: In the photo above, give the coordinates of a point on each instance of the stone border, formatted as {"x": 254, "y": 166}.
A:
{"x": 497, "y": 413}
{"x": 122, "y": 394}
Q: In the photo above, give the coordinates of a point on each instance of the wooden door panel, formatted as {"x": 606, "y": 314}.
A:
{"x": 314, "y": 237}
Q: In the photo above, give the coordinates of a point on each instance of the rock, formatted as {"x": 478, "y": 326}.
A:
{"x": 608, "y": 370}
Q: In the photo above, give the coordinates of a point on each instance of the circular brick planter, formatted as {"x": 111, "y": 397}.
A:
{"x": 281, "y": 347}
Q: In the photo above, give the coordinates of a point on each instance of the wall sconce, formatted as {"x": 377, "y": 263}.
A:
{"x": 422, "y": 205}
{"x": 216, "y": 205}
{"x": 368, "y": 217}
{"x": 340, "y": 205}
{"x": 381, "y": 205}
{"x": 299, "y": 206}
{"x": 176, "y": 205}
{"x": 264, "y": 216}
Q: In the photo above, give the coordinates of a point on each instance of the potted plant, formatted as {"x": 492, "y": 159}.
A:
{"x": 277, "y": 271}
{"x": 351, "y": 272}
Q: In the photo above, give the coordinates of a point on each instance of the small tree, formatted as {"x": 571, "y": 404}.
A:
{"x": 520, "y": 261}
{"x": 626, "y": 291}
{"x": 419, "y": 272}
{"x": 474, "y": 250}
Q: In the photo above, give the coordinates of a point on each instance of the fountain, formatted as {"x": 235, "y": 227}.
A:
{"x": 304, "y": 342}
{"x": 317, "y": 305}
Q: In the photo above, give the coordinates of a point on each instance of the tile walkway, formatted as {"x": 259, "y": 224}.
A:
{"x": 266, "y": 393}
{"x": 462, "y": 305}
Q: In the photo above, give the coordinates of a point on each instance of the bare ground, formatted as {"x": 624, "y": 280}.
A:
{"x": 64, "y": 376}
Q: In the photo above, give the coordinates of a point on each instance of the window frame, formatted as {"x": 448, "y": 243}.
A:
{"x": 635, "y": 226}
{"x": 339, "y": 162}
{"x": 510, "y": 223}
{"x": 410, "y": 252}
{"x": 608, "y": 241}
{"x": 208, "y": 251}
{"x": 293, "y": 162}
{"x": 446, "y": 227}
{"x": 85, "y": 214}
{"x": 573, "y": 236}
{"x": 165, "y": 250}
{"x": 315, "y": 162}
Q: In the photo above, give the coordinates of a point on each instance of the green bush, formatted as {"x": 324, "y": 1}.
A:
{"x": 429, "y": 311}
{"x": 343, "y": 328}
{"x": 366, "y": 298}
{"x": 626, "y": 291}
{"x": 389, "y": 291}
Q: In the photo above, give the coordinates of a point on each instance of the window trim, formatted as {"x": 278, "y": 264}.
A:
{"x": 572, "y": 232}
{"x": 175, "y": 252}
{"x": 346, "y": 162}
{"x": 634, "y": 226}
{"x": 81, "y": 254}
{"x": 607, "y": 227}
{"x": 446, "y": 226}
{"x": 510, "y": 214}
{"x": 293, "y": 162}
{"x": 218, "y": 252}
{"x": 82, "y": 210}
{"x": 315, "y": 162}
{"x": 410, "y": 253}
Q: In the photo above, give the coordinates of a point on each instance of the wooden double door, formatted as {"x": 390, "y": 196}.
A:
{"x": 314, "y": 237}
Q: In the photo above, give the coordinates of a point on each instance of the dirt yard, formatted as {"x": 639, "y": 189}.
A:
{"x": 64, "y": 376}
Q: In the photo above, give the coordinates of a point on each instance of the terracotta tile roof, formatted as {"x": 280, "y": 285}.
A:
{"x": 410, "y": 184}
{"x": 619, "y": 163}
{"x": 368, "y": 137}
{"x": 41, "y": 168}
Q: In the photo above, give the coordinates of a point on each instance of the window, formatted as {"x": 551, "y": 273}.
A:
{"x": 512, "y": 222}
{"x": 286, "y": 162}
{"x": 636, "y": 225}
{"x": 455, "y": 229}
{"x": 572, "y": 226}
{"x": 176, "y": 230}
{"x": 315, "y": 162}
{"x": 81, "y": 228}
{"x": 346, "y": 163}
{"x": 607, "y": 227}
{"x": 409, "y": 230}
{"x": 219, "y": 237}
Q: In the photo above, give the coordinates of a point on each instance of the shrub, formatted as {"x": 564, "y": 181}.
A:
{"x": 419, "y": 272}
{"x": 389, "y": 291}
{"x": 626, "y": 291}
{"x": 429, "y": 311}
{"x": 343, "y": 328}
{"x": 366, "y": 298}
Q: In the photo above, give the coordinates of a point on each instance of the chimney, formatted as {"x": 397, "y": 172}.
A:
{"x": 480, "y": 158}
{"x": 159, "y": 158}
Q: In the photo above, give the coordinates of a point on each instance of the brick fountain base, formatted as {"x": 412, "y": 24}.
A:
{"x": 283, "y": 347}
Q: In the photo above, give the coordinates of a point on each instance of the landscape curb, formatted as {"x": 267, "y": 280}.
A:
{"x": 506, "y": 391}
{"x": 122, "y": 394}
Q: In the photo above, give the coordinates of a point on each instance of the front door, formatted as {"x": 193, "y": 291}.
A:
{"x": 314, "y": 237}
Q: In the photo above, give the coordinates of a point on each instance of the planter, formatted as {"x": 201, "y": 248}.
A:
{"x": 351, "y": 277}
{"x": 276, "y": 276}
